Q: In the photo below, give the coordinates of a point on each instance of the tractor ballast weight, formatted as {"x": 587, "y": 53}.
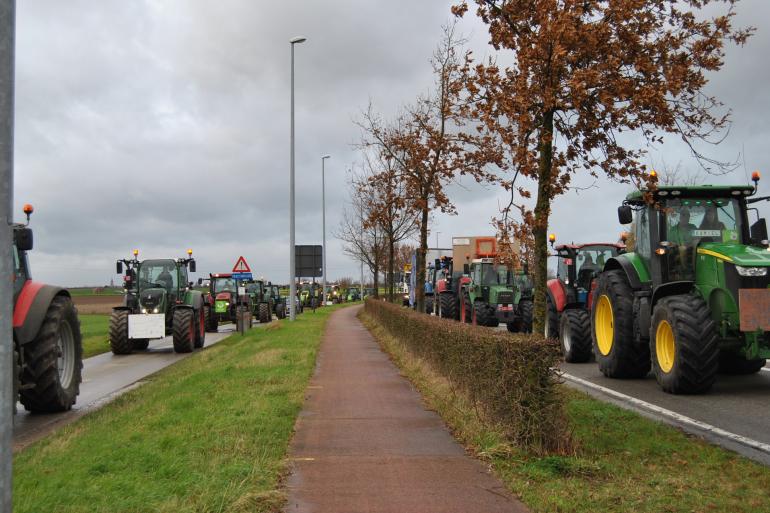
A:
{"x": 159, "y": 301}
{"x": 692, "y": 295}
{"x": 47, "y": 343}
{"x": 569, "y": 298}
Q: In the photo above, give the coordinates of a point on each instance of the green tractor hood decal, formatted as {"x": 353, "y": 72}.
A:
{"x": 746, "y": 256}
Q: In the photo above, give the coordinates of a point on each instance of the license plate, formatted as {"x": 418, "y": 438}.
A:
{"x": 506, "y": 308}
{"x": 146, "y": 326}
{"x": 754, "y": 307}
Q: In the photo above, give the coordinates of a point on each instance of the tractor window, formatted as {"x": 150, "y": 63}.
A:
{"x": 642, "y": 234}
{"x": 158, "y": 274}
{"x": 488, "y": 274}
{"x": 224, "y": 285}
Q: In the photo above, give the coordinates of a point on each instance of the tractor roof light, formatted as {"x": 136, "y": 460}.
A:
{"x": 755, "y": 176}
{"x": 28, "y": 209}
{"x": 654, "y": 175}
{"x": 136, "y": 252}
{"x": 189, "y": 252}
{"x": 552, "y": 238}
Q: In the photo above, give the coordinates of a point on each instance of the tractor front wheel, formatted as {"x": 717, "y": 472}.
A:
{"x": 428, "y": 305}
{"x": 119, "y": 341}
{"x": 280, "y": 310}
{"x": 53, "y": 361}
{"x": 617, "y": 353}
{"x": 200, "y": 335}
{"x": 184, "y": 330}
{"x": 735, "y": 364}
{"x": 526, "y": 308}
{"x": 264, "y": 313}
{"x": 552, "y": 319}
{"x": 575, "y": 335}
{"x": 448, "y": 306}
{"x": 211, "y": 319}
{"x": 481, "y": 314}
{"x": 684, "y": 345}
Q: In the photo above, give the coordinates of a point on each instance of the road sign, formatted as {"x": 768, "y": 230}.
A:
{"x": 241, "y": 266}
{"x": 241, "y": 276}
{"x": 309, "y": 261}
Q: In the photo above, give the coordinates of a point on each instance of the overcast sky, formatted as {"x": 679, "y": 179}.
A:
{"x": 164, "y": 125}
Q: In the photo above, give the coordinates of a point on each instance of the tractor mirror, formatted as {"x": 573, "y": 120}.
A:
{"x": 119, "y": 268}
{"x": 758, "y": 230}
{"x": 466, "y": 269}
{"x": 192, "y": 266}
{"x": 23, "y": 239}
{"x": 625, "y": 216}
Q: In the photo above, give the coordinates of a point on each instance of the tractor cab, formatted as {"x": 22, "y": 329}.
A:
{"x": 578, "y": 266}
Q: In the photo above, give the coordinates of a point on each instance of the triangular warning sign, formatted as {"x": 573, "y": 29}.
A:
{"x": 241, "y": 266}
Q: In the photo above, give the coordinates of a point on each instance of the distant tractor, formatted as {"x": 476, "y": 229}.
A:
{"x": 354, "y": 294}
{"x": 47, "y": 344}
{"x": 568, "y": 297}
{"x": 495, "y": 294}
{"x": 310, "y": 294}
{"x": 261, "y": 300}
{"x": 224, "y": 300}
{"x": 279, "y": 303}
{"x": 159, "y": 301}
{"x": 691, "y": 297}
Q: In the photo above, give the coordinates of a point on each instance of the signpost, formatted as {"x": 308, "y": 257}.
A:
{"x": 241, "y": 271}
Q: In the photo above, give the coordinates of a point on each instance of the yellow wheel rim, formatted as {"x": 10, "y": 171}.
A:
{"x": 605, "y": 325}
{"x": 665, "y": 350}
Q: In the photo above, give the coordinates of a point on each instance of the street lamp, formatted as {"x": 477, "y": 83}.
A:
{"x": 323, "y": 222}
{"x": 292, "y": 262}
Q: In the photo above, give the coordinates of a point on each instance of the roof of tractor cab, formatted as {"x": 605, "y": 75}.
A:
{"x": 694, "y": 191}
{"x": 587, "y": 244}
{"x": 221, "y": 275}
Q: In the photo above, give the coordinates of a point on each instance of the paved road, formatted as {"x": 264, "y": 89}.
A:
{"x": 105, "y": 376}
{"x": 365, "y": 441}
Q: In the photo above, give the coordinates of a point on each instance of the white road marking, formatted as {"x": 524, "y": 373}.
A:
{"x": 765, "y": 369}
{"x": 682, "y": 419}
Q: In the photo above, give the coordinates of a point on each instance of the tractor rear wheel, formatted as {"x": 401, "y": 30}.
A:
{"x": 481, "y": 314}
{"x": 119, "y": 341}
{"x": 575, "y": 335}
{"x": 526, "y": 308}
{"x": 264, "y": 313}
{"x": 684, "y": 345}
{"x": 448, "y": 306}
{"x": 735, "y": 364}
{"x": 552, "y": 319}
{"x": 612, "y": 330}
{"x": 200, "y": 333}
{"x": 211, "y": 319}
{"x": 184, "y": 330}
{"x": 53, "y": 360}
{"x": 140, "y": 344}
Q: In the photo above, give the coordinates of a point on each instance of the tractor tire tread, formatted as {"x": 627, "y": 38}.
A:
{"x": 183, "y": 330}
{"x": 119, "y": 341}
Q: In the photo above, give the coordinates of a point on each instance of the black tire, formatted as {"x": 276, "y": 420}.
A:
{"x": 526, "y": 308}
{"x": 481, "y": 312}
{"x": 184, "y": 330}
{"x": 212, "y": 324}
{"x": 695, "y": 345}
{"x": 448, "y": 306}
{"x": 140, "y": 344}
{"x": 200, "y": 332}
{"x": 513, "y": 327}
{"x": 428, "y": 305}
{"x": 119, "y": 341}
{"x": 575, "y": 335}
{"x": 737, "y": 365}
{"x": 264, "y": 313}
{"x": 552, "y": 319}
{"x": 624, "y": 358}
{"x": 466, "y": 313}
{"x": 53, "y": 361}
{"x": 280, "y": 310}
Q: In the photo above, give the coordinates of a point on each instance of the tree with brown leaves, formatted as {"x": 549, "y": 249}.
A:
{"x": 586, "y": 75}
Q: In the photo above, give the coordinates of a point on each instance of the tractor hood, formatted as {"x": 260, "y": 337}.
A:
{"x": 738, "y": 254}
{"x": 224, "y": 296}
{"x": 152, "y": 298}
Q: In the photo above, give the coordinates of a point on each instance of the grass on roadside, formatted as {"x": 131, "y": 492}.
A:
{"x": 623, "y": 462}
{"x": 209, "y": 433}
{"x": 95, "y": 330}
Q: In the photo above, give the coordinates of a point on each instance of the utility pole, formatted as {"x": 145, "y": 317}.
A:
{"x": 7, "y": 399}
{"x": 323, "y": 222}
{"x": 292, "y": 249}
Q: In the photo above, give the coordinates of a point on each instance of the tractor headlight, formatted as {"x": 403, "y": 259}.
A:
{"x": 155, "y": 310}
{"x": 751, "y": 271}
{"x": 144, "y": 310}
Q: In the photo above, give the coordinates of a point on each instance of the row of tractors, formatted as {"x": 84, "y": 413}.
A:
{"x": 685, "y": 293}
{"x": 311, "y": 295}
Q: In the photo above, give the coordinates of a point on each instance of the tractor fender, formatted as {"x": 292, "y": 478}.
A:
{"x": 558, "y": 294}
{"x": 626, "y": 266}
{"x": 31, "y": 307}
{"x": 670, "y": 289}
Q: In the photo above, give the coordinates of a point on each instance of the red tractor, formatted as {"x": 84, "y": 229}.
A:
{"x": 446, "y": 288}
{"x": 224, "y": 299}
{"x": 569, "y": 295}
{"x": 47, "y": 344}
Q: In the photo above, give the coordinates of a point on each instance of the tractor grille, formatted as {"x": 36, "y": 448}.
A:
{"x": 505, "y": 297}
{"x": 150, "y": 298}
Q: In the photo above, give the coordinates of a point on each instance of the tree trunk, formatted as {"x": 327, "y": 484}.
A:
{"x": 422, "y": 250}
{"x": 391, "y": 268}
{"x": 376, "y": 278}
{"x": 542, "y": 211}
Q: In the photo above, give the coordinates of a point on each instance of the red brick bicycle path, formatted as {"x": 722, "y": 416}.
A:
{"x": 364, "y": 441}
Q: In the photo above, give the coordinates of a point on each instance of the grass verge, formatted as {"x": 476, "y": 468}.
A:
{"x": 209, "y": 433}
{"x": 622, "y": 462}
{"x": 95, "y": 330}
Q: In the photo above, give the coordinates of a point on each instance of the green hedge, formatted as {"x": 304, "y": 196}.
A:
{"x": 511, "y": 378}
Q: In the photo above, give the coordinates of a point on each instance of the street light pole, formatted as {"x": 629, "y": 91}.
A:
{"x": 323, "y": 222}
{"x": 7, "y": 398}
{"x": 292, "y": 262}
{"x": 437, "y": 246}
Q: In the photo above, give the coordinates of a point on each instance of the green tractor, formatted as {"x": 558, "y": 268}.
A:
{"x": 691, "y": 297}
{"x": 490, "y": 293}
{"x": 261, "y": 300}
{"x": 159, "y": 301}
{"x": 279, "y": 302}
